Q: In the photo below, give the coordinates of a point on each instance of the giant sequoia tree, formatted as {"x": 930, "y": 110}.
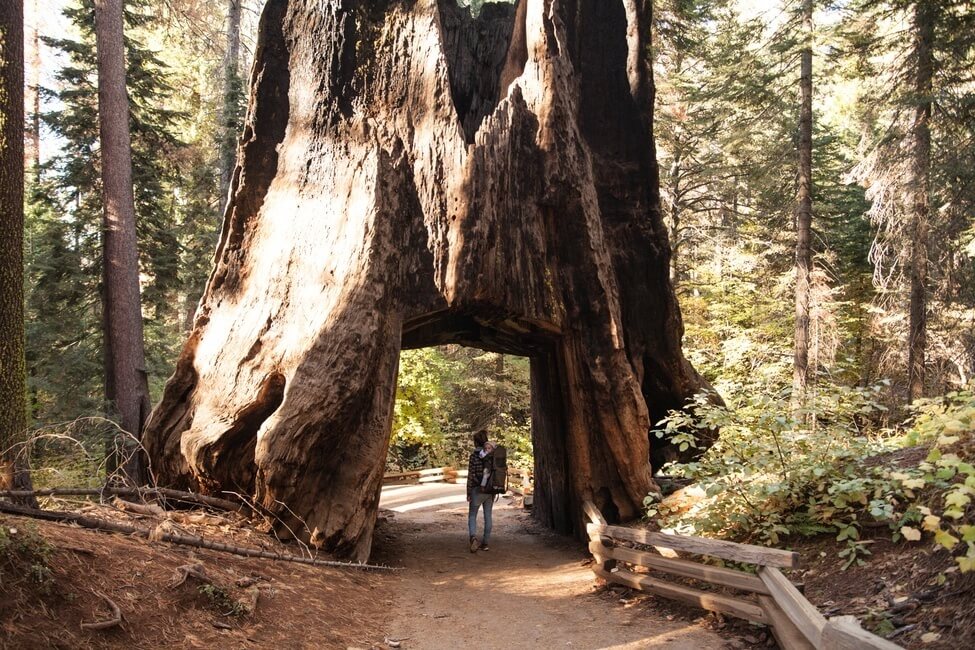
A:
{"x": 411, "y": 176}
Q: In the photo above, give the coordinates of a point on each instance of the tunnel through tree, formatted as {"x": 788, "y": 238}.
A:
{"x": 410, "y": 176}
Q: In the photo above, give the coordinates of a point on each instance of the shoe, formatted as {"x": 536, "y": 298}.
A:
{"x": 475, "y": 544}
{"x": 484, "y": 547}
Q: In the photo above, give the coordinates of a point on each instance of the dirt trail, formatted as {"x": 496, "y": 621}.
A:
{"x": 531, "y": 590}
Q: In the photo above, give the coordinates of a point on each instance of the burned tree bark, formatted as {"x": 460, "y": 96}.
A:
{"x": 411, "y": 176}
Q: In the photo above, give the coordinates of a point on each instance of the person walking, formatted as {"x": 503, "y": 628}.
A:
{"x": 476, "y": 498}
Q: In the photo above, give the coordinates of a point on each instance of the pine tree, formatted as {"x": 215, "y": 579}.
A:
{"x": 67, "y": 352}
{"x": 916, "y": 129}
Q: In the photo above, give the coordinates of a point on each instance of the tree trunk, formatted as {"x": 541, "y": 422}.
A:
{"x": 13, "y": 378}
{"x": 411, "y": 176}
{"x": 804, "y": 211}
{"x": 128, "y": 389}
{"x": 231, "y": 89}
{"x": 923, "y": 28}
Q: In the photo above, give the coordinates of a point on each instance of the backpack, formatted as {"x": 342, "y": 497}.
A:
{"x": 497, "y": 465}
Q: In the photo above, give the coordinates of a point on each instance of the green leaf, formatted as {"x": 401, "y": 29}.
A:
{"x": 945, "y": 539}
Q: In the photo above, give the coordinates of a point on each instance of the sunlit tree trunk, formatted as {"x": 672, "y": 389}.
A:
{"x": 804, "y": 211}
{"x": 923, "y": 31}
{"x": 128, "y": 389}
{"x": 13, "y": 389}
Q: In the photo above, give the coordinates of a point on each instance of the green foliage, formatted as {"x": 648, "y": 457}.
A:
{"x": 771, "y": 474}
{"x": 24, "y": 555}
{"x": 446, "y": 394}
{"x": 175, "y": 206}
{"x": 221, "y": 600}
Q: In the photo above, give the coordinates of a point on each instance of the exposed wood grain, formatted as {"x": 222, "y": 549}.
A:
{"x": 800, "y": 611}
{"x": 410, "y": 175}
{"x": 786, "y": 634}
{"x": 684, "y": 568}
{"x": 845, "y": 633}
{"x": 711, "y": 602}
{"x": 703, "y": 546}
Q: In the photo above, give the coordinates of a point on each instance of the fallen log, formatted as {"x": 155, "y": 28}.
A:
{"x": 95, "y": 523}
{"x": 165, "y": 493}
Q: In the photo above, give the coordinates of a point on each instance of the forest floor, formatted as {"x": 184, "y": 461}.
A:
{"x": 533, "y": 589}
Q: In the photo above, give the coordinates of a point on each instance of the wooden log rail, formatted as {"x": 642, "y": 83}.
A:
{"x": 768, "y": 597}
{"x": 421, "y": 476}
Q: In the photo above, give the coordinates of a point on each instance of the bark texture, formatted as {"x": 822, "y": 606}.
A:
{"x": 923, "y": 28}
{"x": 127, "y": 384}
{"x": 804, "y": 211}
{"x": 13, "y": 389}
{"x": 410, "y": 176}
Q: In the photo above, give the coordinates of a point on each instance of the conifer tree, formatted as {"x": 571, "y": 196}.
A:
{"x": 67, "y": 354}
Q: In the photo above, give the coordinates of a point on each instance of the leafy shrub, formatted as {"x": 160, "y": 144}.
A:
{"x": 25, "y": 553}
{"x": 775, "y": 472}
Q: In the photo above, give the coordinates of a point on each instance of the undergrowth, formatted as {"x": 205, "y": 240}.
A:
{"x": 776, "y": 472}
{"x": 24, "y": 555}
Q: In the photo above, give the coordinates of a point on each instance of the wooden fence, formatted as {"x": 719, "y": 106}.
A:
{"x": 432, "y": 475}
{"x": 768, "y": 597}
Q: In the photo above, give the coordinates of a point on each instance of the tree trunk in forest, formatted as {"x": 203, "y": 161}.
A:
{"x": 804, "y": 211}
{"x": 231, "y": 89}
{"x": 411, "y": 176}
{"x": 127, "y": 383}
{"x": 923, "y": 29}
{"x": 13, "y": 378}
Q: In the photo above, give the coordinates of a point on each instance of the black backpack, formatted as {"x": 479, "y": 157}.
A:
{"x": 497, "y": 465}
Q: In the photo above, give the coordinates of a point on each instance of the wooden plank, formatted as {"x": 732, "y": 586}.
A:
{"x": 799, "y": 610}
{"x": 711, "y": 602}
{"x": 393, "y": 476}
{"x": 429, "y": 478}
{"x": 684, "y": 568}
{"x": 702, "y": 546}
{"x": 786, "y": 634}
{"x": 845, "y": 633}
{"x": 434, "y": 470}
{"x": 593, "y": 513}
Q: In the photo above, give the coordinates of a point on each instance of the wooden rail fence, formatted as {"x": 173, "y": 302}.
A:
{"x": 769, "y": 597}
{"x": 432, "y": 475}
{"x": 520, "y": 481}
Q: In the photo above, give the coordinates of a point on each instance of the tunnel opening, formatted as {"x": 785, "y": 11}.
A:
{"x": 501, "y": 375}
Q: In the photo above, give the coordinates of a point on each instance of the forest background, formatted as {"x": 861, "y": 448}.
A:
{"x": 729, "y": 132}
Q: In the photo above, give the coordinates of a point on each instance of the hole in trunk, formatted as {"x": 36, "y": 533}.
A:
{"x": 478, "y": 57}
{"x": 231, "y": 458}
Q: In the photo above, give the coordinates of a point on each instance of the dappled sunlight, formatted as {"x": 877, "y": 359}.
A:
{"x": 537, "y": 585}
{"x": 429, "y": 503}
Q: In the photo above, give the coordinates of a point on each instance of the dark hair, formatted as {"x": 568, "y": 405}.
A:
{"x": 480, "y": 437}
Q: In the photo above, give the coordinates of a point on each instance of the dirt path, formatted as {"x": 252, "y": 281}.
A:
{"x": 531, "y": 590}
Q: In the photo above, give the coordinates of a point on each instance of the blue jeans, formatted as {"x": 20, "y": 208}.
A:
{"x": 478, "y": 500}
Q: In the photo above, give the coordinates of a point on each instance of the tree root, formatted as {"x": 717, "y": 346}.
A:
{"x": 111, "y": 622}
{"x": 175, "y": 538}
{"x": 159, "y": 493}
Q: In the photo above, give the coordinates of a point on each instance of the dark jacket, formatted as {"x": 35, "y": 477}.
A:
{"x": 475, "y": 470}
